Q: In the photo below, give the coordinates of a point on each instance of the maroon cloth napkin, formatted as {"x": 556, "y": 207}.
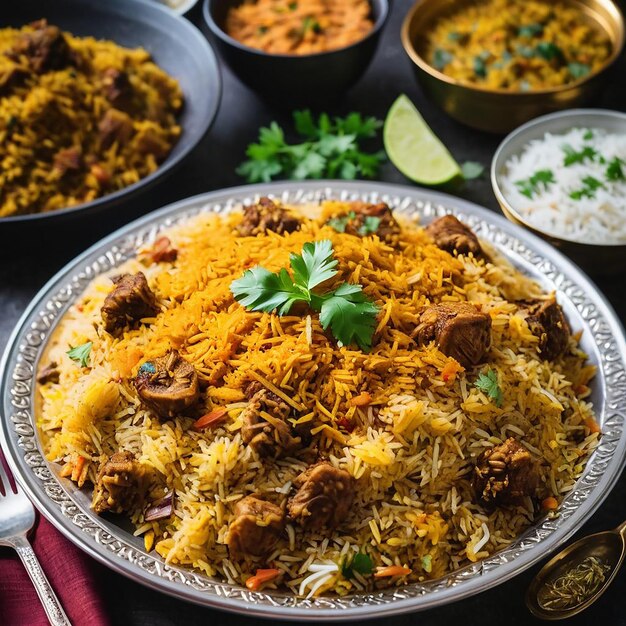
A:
{"x": 71, "y": 573}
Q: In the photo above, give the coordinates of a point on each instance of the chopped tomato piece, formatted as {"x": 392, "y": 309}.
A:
{"x": 450, "y": 370}
{"x": 346, "y": 424}
{"x": 550, "y": 504}
{"x": 262, "y": 576}
{"x": 215, "y": 417}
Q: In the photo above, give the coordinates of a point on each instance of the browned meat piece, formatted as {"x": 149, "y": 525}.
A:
{"x": 11, "y": 78}
{"x": 256, "y": 528}
{"x": 267, "y": 438}
{"x": 115, "y": 126}
{"x": 45, "y": 48}
{"x": 49, "y": 374}
{"x": 149, "y": 141}
{"x": 547, "y": 321}
{"x": 163, "y": 251}
{"x": 267, "y": 215}
{"x": 117, "y": 88}
{"x": 68, "y": 159}
{"x": 370, "y": 219}
{"x": 168, "y": 385}
{"x": 130, "y": 300}
{"x": 458, "y": 329}
{"x": 504, "y": 474}
{"x": 324, "y": 497}
{"x": 120, "y": 484}
{"x": 450, "y": 234}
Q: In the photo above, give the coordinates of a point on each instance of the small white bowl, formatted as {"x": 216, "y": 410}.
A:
{"x": 180, "y": 7}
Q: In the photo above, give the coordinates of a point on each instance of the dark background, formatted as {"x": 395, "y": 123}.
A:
{"x": 26, "y": 263}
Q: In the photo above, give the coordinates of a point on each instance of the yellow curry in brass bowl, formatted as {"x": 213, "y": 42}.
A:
{"x": 521, "y": 46}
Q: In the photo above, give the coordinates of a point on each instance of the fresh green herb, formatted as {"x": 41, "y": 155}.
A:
{"x": 480, "y": 69}
{"x": 293, "y": 6}
{"x": 614, "y": 170}
{"x": 530, "y": 186}
{"x": 590, "y": 186}
{"x": 360, "y": 563}
{"x": 573, "y": 156}
{"x": 441, "y": 58}
{"x": 346, "y": 310}
{"x": 261, "y": 30}
{"x": 310, "y": 23}
{"x": 147, "y": 368}
{"x": 340, "y": 223}
{"x": 80, "y": 354}
{"x": 526, "y": 51}
{"x": 549, "y": 51}
{"x": 578, "y": 70}
{"x": 472, "y": 169}
{"x": 455, "y": 36}
{"x": 427, "y": 563}
{"x": 488, "y": 383}
{"x": 370, "y": 225}
{"x": 530, "y": 30}
{"x": 331, "y": 150}
{"x": 588, "y": 134}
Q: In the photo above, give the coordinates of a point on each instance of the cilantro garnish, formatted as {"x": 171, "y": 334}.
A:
{"x": 588, "y": 190}
{"x": 472, "y": 169}
{"x": 359, "y": 562}
{"x": 530, "y": 30}
{"x": 480, "y": 69}
{"x": 80, "y": 354}
{"x": 427, "y": 563}
{"x": 370, "y": 225}
{"x": 331, "y": 149}
{"x": 346, "y": 310}
{"x": 588, "y": 135}
{"x": 441, "y": 58}
{"x": 549, "y": 51}
{"x": 340, "y": 223}
{"x": 614, "y": 169}
{"x": 488, "y": 383}
{"x": 578, "y": 70}
{"x": 530, "y": 186}
{"x": 573, "y": 156}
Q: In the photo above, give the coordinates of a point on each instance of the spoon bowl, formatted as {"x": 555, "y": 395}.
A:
{"x": 593, "y": 560}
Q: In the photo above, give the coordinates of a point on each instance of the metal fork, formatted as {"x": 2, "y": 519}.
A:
{"x": 17, "y": 516}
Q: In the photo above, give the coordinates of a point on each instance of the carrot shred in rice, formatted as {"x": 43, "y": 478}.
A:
{"x": 363, "y": 399}
{"x": 262, "y": 576}
{"x": 215, "y": 417}
{"x": 391, "y": 570}
{"x": 592, "y": 425}
{"x": 450, "y": 370}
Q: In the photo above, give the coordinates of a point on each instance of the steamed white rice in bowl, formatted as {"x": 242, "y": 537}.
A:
{"x": 571, "y": 185}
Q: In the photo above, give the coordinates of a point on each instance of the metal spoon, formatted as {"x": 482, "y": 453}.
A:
{"x": 578, "y": 575}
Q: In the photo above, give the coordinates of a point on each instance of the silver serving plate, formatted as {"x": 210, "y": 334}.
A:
{"x": 68, "y": 508}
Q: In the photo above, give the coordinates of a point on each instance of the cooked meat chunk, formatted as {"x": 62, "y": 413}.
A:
{"x": 49, "y": 374}
{"x": 267, "y": 215}
{"x": 68, "y": 159}
{"x": 547, "y": 321}
{"x": 458, "y": 329}
{"x": 11, "y": 78}
{"x": 120, "y": 484}
{"x": 450, "y": 234}
{"x": 163, "y": 251}
{"x": 256, "y": 528}
{"x": 504, "y": 474}
{"x": 324, "y": 497}
{"x": 45, "y": 48}
{"x": 117, "y": 88}
{"x": 130, "y": 300}
{"x": 115, "y": 126}
{"x": 369, "y": 219}
{"x": 268, "y": 435}
{"x": 168, "y": 385}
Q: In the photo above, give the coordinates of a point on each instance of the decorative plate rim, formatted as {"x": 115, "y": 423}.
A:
{"x": 64, "y": 507}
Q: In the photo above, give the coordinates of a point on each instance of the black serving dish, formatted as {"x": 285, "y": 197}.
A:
{"x": 176, "y": 46}
{"x": 295, "y": 80}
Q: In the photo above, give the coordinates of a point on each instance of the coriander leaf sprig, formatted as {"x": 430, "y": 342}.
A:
{"x": 80, "y": 354}
{"x": 346, "y": 310}
{"x": 488, "y": 383}
{"x": 331, "y": 149}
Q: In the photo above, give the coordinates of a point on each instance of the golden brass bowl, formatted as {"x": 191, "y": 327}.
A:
{"x": 595, "y": 259}
{"x": 501, "y": 110}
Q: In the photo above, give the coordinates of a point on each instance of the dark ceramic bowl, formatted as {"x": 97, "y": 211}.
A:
{"x": 295, "y": 80}
{"x": 176, "y": 46}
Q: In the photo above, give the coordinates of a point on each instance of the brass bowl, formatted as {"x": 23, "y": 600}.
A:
{"x": 501, "y": 110}
{"x": 595, "y": 259}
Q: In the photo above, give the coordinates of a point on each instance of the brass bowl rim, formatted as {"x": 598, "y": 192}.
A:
{"x": 418, "y": 60}
{"x": 510, "y": 213}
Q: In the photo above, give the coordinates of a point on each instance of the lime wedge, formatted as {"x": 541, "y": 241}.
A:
{"x": 414, "y": 149}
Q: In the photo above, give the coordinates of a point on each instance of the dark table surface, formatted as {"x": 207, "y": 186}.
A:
{"x": 26, "y": 264}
